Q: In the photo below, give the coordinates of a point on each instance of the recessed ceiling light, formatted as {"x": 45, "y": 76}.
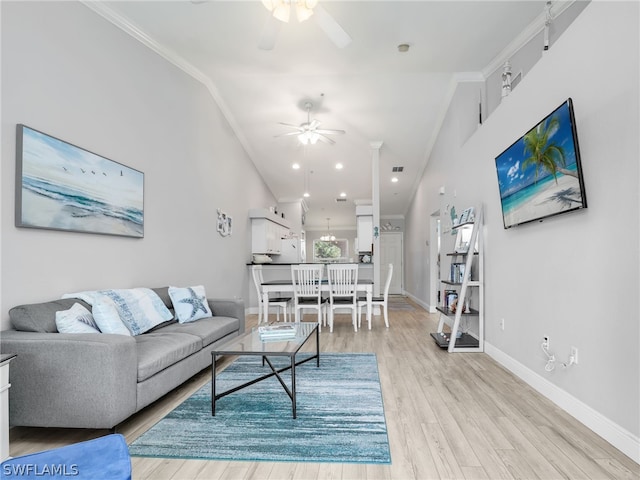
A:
{"x": 343, "y": 194}
{"x": 306, "y": 195}
{"x": 295, "y": 166}
{"x": 394, "y": 179}
{"x": 339, "y": 166}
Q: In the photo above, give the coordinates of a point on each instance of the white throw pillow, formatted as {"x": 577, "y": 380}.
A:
{"x": 190, "y": 303}
{"x": 76, "y": 320}
{"x": 106, "y": 316}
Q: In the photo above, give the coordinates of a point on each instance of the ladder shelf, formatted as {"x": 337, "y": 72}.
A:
{"x": 458, "y": 317}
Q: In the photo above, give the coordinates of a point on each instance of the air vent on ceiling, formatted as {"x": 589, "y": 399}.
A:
{"x": 397, "y": 169}
{"x": 341, "y": 199}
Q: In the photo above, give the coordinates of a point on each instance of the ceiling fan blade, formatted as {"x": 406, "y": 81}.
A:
{"x": 329, "y": 25}
{"x": 290, "y": 125}
{"x": 286, "y": 134}
{"x": 330, "y": 132}
{"x": 325, "y": 139}
{"x": 314, "y": 124}
{"x": 269, "y": 34}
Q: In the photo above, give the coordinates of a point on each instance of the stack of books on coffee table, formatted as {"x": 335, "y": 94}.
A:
{"x": 277, "y": 332}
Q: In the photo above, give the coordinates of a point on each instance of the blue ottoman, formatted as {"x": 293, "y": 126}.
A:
{"x": 102, "y": 458}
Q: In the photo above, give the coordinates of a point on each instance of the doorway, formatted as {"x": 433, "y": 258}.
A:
{"x": 391, "y": 251}
{"x": 434, "y": 260}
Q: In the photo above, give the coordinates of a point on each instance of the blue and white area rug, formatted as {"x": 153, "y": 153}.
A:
{"x": 339, "y": 409}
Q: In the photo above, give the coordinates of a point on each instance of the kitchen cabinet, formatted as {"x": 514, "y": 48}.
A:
{"x": 267, "y": 231}
{"x": 364, "y": 225}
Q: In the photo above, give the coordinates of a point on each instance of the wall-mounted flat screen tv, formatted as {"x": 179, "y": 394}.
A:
{"x": 540, "y": 175}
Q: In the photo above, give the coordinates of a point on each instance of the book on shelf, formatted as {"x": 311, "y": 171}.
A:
{"x": 457, "y": 272}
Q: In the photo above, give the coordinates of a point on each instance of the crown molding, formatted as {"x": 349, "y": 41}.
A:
{"x": 137, "y": 33}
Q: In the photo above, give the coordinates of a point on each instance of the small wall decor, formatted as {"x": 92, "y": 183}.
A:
{"x": 60, "y": 186}
{"x": 224, "y": 224}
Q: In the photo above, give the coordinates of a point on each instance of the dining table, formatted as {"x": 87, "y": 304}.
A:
{"x": 286, "y": 286}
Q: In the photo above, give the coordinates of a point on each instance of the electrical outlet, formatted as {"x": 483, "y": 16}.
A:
{"x": 574, "y": 355}
{"x": 502, "y": 324}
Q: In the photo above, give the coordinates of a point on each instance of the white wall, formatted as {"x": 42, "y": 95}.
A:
{"x": 70, "y": 73}
{"x": 574, "y": 277}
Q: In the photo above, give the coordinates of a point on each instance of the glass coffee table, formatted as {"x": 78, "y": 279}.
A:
{"x": 250, "y": 343}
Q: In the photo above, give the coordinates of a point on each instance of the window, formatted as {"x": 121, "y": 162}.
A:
{"x": 330, "y": 251}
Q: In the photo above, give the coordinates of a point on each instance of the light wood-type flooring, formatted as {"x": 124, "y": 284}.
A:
{"x": 453, "y": 416}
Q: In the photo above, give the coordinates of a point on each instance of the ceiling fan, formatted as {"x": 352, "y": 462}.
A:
{"x": 308, "y": 132}
{"x": 304, "y": 9}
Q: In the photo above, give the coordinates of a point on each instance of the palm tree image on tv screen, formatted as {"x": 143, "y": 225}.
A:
{"x": 540, "y": 175}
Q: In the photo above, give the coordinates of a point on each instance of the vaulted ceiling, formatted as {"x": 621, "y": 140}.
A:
{"x": 368, "y": 88}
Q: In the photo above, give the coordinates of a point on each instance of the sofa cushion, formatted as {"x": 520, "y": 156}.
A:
{"x": 190, "y": 303}
{"x": 209, "y": 330}
{"x": 40, "y": 317}
{"x": 159, "y": 350}
{"x": 76, "y": 320}
{"x": 163, "y": 293}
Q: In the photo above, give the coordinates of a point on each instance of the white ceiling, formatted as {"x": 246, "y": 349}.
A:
{"x": 369, "y": 89}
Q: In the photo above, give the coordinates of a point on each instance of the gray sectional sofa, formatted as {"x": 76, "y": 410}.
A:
{"x": 97, "y": 380}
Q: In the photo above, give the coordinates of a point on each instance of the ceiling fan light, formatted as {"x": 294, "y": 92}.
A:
{"x": 269, "y": 4}
{"x": 313, "y": 138}
{"x": 282, "y": 11}
{"x": 303, "y": 12}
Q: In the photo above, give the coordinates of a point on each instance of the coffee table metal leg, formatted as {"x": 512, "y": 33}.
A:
{"x": 317, "y": 347}
{"x": 213, "y": 384}
{"x": 293, "y": 384}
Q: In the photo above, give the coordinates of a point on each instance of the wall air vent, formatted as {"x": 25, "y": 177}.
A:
{"x": 397, "y": 169}
{"x": 341, "y": 200}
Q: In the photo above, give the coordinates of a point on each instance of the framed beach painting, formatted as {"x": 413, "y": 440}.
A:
{"x": 60, "y": 186}
{"x": 540, "y": 175}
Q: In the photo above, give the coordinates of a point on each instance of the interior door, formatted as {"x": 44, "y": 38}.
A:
{"x": 391, "y": 251}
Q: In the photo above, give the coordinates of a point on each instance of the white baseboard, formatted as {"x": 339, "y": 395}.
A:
{"x": 620, "y": 438}
{"x": 424, "y": 305}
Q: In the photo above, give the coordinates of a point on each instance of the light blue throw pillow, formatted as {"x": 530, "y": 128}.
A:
{"x": 140, "y": 309}
{"x": 107, "y": 317}
{"x": 76, "y": 320}
{"x": 190, "y": 303}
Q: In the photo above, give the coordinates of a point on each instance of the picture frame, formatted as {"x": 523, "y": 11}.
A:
{"x": 60, "y": 186}
{"x": 466, "y": 216}
{"x": 463, "y": 240}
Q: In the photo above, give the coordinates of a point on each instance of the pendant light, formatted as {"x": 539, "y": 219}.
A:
{"x": 328, "y": 237}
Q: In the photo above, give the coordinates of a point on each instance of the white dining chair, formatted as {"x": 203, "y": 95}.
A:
{"x": 307, "y": 294}
{"x": 280, "y": 302}
{"x": 343, "y": 282}
{"x": 381, "y": 301}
